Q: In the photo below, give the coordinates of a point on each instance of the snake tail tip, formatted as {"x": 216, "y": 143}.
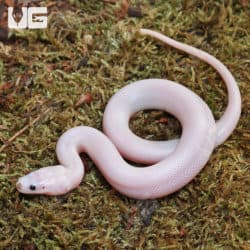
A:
{"x": 142, "y": 31}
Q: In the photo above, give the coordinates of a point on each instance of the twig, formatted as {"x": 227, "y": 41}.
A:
{"x": 7, "y": 143}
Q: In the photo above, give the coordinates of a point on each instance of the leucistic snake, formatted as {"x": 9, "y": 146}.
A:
{"x": 175, "y": 162}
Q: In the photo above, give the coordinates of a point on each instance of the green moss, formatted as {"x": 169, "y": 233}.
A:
{"x": 40, "y": 85}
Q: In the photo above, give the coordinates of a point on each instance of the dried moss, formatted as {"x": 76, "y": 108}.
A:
{"x": 39, "y": 72}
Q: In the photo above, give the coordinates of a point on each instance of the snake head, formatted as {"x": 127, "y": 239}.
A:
{"x": 52, "y": 180}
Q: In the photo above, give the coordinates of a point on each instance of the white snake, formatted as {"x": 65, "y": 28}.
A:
{"x": 176, "y": 162}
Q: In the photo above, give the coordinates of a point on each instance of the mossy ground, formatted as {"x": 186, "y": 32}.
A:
{"x": 40, "y": 84}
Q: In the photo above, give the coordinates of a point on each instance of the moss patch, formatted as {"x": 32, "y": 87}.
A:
{"x": 92, "y": 47}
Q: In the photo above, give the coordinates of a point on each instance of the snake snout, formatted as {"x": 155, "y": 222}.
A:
{"x": 19, "y": 186}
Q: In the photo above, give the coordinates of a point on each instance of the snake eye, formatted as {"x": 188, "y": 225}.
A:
{"x": 32, "y": 187}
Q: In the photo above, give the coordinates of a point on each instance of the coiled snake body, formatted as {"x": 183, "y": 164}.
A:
{"x": 175, "y": 162}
